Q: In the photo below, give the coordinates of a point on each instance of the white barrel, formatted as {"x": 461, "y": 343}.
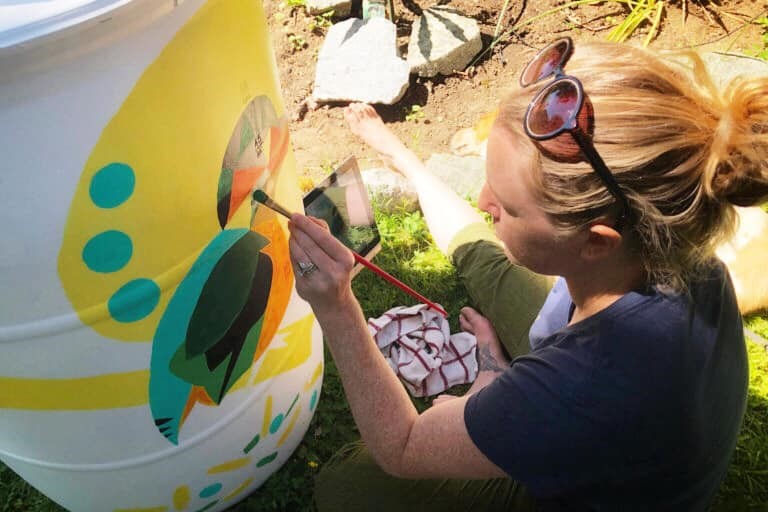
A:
{"x": 154, "y": 354}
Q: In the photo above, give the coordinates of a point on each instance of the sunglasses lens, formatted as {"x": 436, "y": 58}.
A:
{"x": 545, "y": 64}
{"x": 554, "y": 108}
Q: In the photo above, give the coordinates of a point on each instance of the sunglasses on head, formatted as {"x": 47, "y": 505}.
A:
{"x": 556, "y": 109}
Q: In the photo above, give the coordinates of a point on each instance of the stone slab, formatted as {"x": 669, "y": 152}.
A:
{"x": 358, "y": 62}
{"x": 443, "y": 41}
{"x": 340, "y": 8}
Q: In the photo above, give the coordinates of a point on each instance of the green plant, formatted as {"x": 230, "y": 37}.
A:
{"x": 761, "y": 51}
{"x": 413, "y": 113}
{"x": 293, "y": 4}
{"x": 321, "y": 22}
{"x": 297, "y": 42}
{"x": 641, "y": 11}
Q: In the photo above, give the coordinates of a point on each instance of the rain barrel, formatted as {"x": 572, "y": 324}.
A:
{"x": 154, "y": 354}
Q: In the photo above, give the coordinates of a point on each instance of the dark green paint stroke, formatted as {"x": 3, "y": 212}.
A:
{"x": 252, "y": 444}
{"x": 224, "y": 195}
{"x": 208, "y": 506}
{"x": 225, "y": 294}
{"x": 231, "y": 355}
{"x": 266, "y": 460}
{"x": 168, "y": 393}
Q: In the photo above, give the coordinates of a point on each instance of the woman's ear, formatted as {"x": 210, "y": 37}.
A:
{"x": 602, "y": 241}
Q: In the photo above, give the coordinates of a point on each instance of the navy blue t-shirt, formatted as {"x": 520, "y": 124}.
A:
{"x": 637, "y": 407}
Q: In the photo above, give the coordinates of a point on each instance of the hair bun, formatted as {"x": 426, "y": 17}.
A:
{"x": 737, "y": 170}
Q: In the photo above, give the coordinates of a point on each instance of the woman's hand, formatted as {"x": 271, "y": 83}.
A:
{"x": 327, "y": 285}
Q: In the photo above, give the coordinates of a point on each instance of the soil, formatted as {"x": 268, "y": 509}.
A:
{"x": 447, "y": 104}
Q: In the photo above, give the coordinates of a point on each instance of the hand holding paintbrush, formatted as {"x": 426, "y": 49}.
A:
{"x": 261, "y": 197}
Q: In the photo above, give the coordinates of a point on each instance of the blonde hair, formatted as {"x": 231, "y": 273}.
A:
{"x": 683, "y": 151}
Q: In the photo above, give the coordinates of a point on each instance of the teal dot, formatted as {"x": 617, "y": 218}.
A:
{"x": 275, "y": 425}
{"x": 108, "y": 251}
{"x": 313, "y": 400}
{"x": 112, "y": 185}
{"x": 134, "y": 301}
{"x": 211, "y": 490}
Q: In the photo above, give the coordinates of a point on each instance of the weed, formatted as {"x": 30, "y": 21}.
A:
{"x": 761, "y": 51}
{"x": 298, "y": 42}
{"x": 306, "y": 184}
{"x": 327, "y": 166}
{"x": 413, "y": 113}
{"x": 642, "y": 11}
{"x": 321, "y": 22}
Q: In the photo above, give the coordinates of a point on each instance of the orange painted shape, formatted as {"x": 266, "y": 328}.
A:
{"x": 278, "y": 146}
{"x": 282, "y": 280}
{"x": 198, "y": 395}
{"x": 242, "y": 186}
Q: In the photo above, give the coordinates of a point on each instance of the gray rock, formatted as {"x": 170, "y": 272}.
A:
{"x": 358, "y": 62}
{"x": 443, "y": 41}
{"x": 389, "y": 190}
{"x": 464, "y": 174}
{"x": 725, "y": 66}
{"x": 340, "y": 8}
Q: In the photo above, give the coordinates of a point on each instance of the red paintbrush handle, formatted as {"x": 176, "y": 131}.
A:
{"x": 395, "y": 281}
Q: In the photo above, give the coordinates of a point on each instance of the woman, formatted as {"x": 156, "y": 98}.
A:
{"x": 627, "y": 382}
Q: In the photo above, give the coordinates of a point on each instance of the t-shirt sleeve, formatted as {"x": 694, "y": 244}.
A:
{"x": 536, "y": 423}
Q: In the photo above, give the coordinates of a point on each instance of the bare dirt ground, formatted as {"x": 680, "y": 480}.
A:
{"x": 447, "y": 104}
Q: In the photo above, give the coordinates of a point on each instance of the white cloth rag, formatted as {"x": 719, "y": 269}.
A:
{"x": 417, "y": 343}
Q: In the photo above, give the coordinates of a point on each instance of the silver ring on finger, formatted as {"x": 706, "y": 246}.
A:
{"x": 306, "y": 268}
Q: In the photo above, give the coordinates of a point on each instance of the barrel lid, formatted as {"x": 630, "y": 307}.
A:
{"x": 23, "y": 21}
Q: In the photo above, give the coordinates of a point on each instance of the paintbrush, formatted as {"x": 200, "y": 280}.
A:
{"x": 262, "y": 197}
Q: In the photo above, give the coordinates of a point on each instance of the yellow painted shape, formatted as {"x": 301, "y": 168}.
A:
{"x": 296, "y": 350}
{"x": 290, "y": 426}
{"x": 173, "y": 132}
{"x": 267, "y": 417}
{"x": 230, "y": 466}
{"x": 109, "y": 391}
{"x": 240, "y": 488}
{"x": 315, "y": 376}
{"x": 181, "y": 497}
{"x": 150, "y": 509}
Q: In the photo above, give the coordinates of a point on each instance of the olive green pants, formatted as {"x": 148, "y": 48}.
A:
{"x": 510, "y": 296}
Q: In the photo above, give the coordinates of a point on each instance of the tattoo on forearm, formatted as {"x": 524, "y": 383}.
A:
{"x": 486, "y": 362}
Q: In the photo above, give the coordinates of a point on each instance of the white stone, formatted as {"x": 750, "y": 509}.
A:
{"x": 389, "y": 190}
{"x": 723, "y": 67}
{"x": 340, "y": 8}
{"x": 443, "y": 41}
{"x": 465, "y": 175}
{"x": 358, "y": 62}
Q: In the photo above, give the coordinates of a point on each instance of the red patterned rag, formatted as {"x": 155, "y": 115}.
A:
{"x": 417, "y": 344}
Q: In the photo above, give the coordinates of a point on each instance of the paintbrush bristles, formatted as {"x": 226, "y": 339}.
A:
{"x": 262, "y": 197}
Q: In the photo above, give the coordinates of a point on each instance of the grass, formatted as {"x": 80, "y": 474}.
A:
{"x": 409, "y": 254}
{"x": 761, "y": 50}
